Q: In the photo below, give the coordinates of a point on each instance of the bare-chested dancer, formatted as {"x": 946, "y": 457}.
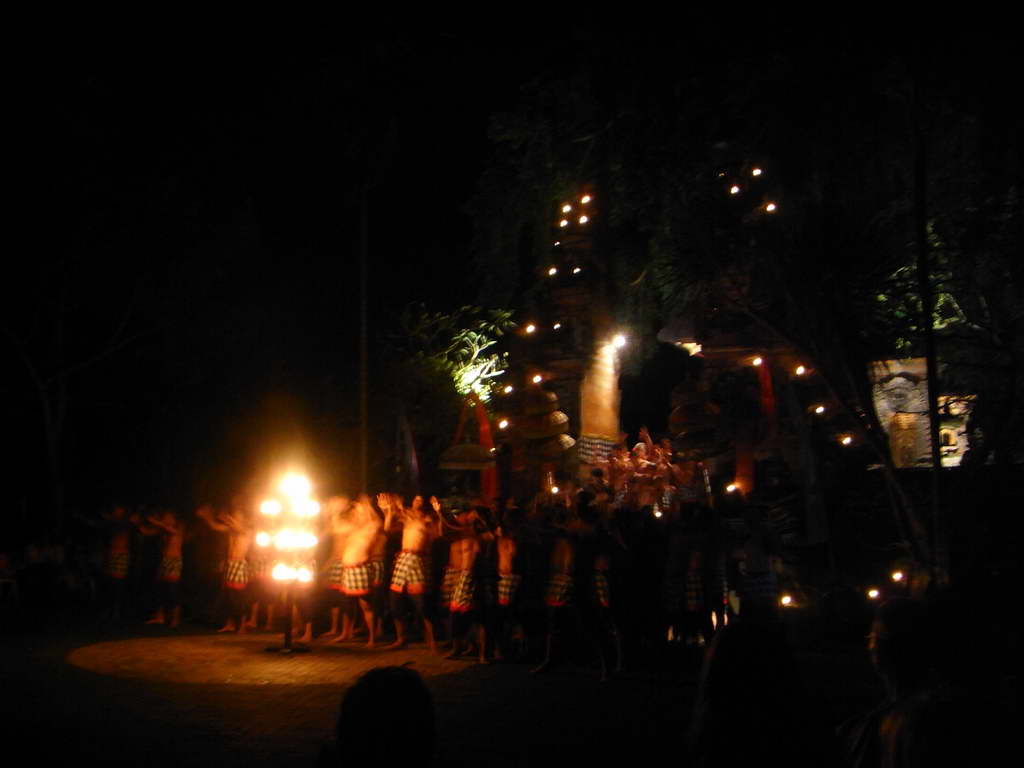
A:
{"x": 464, "y": 604}
{"x": 172, "y": 532}
{"x": 356, "y": 575}
{"x": 412, "y": 572}
{"x": 510, "y": 577}
{"x": 338, "y": 522}
{"x": 378, "y": 573}
{"x": 117, "y": 557}
{"x": 236, "y": 525}
{"x": 558, "y": 593}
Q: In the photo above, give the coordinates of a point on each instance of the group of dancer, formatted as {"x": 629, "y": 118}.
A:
{"x": 482, "y": 580}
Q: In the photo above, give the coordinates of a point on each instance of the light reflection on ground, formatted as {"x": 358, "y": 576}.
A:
{"x": 242, "y": 660}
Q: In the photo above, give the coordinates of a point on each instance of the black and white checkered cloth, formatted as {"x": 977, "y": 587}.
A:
{"x": 448, "y": 584}
{"x": 170, "y": 569}
{"x": 592, "y": 449}
{"x": 410, "y": 573}
{"x": 463, "y": 592}
{"x": 117, "y": 565}
{"x": 333, "y": 577}
{"x": 559, "y": 590}
{"x": 508, "y": 585}
{"x": 602, "y": 590}
{"x": 377, "y": 572}
{"x": 355, "y": 579}
{"x": 236, "y": 574}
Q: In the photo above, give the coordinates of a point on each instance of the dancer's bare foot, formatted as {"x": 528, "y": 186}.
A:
{"x": 397, "y": 645}
{"x": 228, "y": 627}
{"x": 156, "y": 620}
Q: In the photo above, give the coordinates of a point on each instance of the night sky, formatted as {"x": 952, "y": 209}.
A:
{"x": 205, "y": 204}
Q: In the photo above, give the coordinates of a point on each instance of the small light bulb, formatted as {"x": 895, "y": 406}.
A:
{"x": 734, "y": 189}
{"x": 657, "y": 513}
{"x": 538, "y": 379}
{"x": 897, "y": 575}
{"x": 786, "y": 600}
{"x": 584, "y": 219}
{"x": 508, "y": 389}
{"x": 503, "y": 424}
{"x": 800, "y": 370}
{"x": 558, "y": 243}
{"x": 563, "y": 223}
{"x": 262, "y": 539}
{"x": 566, "y": 208}
{"x": 619, "y": 340}
{"x": 576, "y": 270}
{"x": 585, "y": 199}
{"x": 552, "y": 271}
{"x": 556, "y": 326}
{"x": 873, "y": 594}
{"x": 756, "y": 172}
{"x": 820, "y": 409}
{"x": 771, "y": 207}
{"x": 757, "y": 361}
{"x": 554, "y": 489}
{"x": 731, "y": 488}
{"x": 846, "y": 440}
{"x": 531, "y": 328}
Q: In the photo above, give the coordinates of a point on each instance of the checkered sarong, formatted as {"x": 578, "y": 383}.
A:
{"x": 463, "y": 592}
{"x": 117, "y": 565}
{"x": 355, "y": 579}
{"x": 410, "y": 573}
{"x": 508, "y": 585}
{"x": 602, "y": 590}
{"x": 448, "y": 584}
{"x": 559, "y": 590}
{"x": 333, "y": 578}
{"x": 376, "y": 572}
{"x": 170, "y": 569}
{"x": 236, "y": 574}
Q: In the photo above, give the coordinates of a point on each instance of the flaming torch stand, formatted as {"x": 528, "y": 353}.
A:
{"x": 288, "y": 647}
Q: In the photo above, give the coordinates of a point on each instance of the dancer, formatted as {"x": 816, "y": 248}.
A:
{"x": 465, "y": 602}
{"x": 356, "y": 575}
{"x": 410, "y": 575}
{"x": 236, "y": 571}
{"x": 172, "y": 532}
{"x": 509, "y": 624}
{"x": 337, "y": 521}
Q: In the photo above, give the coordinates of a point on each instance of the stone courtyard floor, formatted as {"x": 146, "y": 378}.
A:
{"x": 145, "y": 695}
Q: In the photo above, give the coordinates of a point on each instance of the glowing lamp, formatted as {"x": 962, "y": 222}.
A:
{"x": 799, "y": 370}
{"x": 692, "y": 347}
{"x": 657, "y": 513}
{"x": 552, "y": 271}
{"x": 820, "y": 409}
{"x": 771, "y": 207}
{"x": 307, "y": 508}
{"x": 757, "y": 361}
{"x": 262, "y": 539}
{"x": 873, "y": 594}
{"x": 584, "y": 219}
{"x": 558, "y": 243}
{"x": 897, "y": 575}
{"x": 271, "y": 507}
{"x": 585, "y": 199}
{"x": 282, "y": 572}
{"x": 556, "y": 326}
{"x": 786, "y": 600}
{"x": 554, "y": 489}
{"x": 731, "y": 488}
{"x": 619, "y": 340}
{"x": 563, "y": 223}
{"x": 576, "y": 270}
{"x": 756, "y": 172}
{"x": 734, "y": 189}
{"x": 846, "y": 440}
{"x": 566, "y": 208}
{"x": 508, "y": 389}
{"x": 531, "y": 328}
{"x": 503, "y": 424}
{"x": 538, "y": 379}
{"x": 304, "y": 575}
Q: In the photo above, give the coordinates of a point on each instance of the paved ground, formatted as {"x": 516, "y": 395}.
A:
{"x": 134, "y": 695}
